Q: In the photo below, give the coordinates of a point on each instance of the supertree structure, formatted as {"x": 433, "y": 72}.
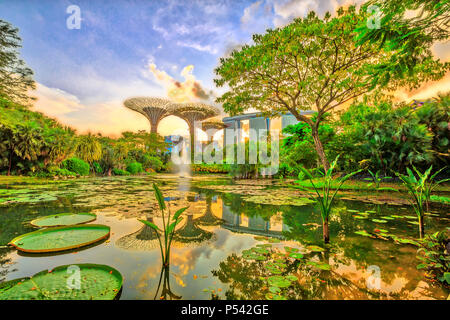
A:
{"x": 192, "y": 112}
{"x": 153, "y": 108}
{"x": 211, "y": 126}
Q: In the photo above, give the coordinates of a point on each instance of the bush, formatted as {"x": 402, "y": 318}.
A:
{"x": 77, "y": 166}
{"x": 120, "y": 172}
{"x": 150, "y": 162}
{"x": 64, "y": 172}
{"x": 210, "y": 168}
{"x": 97, "y": 167}
{"x": 135, "y": 168}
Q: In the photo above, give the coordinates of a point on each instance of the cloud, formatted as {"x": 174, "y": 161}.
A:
{"x": 188, "y": 90}
{"x": 250, "y": 12}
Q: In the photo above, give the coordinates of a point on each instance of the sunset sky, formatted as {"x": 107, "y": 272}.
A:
{"x": 140, "y": 48}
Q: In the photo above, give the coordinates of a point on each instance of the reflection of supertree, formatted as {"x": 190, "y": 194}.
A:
{"x": 153, "y": 108}
{"x": 143, "y": 239}
{"x": 191, "y": 233}
{"x": 166, "y": 292}
{"x": 208, "y": 218}
{"x": 192, "y": 112}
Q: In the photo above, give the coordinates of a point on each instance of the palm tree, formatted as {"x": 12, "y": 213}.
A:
{"x": 89, "y": 148}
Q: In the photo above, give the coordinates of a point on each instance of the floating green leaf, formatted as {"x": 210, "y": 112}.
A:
{"x": 97, "y": 282}
{"x": 63, "y": 219}
{"x": 60, "y": 238}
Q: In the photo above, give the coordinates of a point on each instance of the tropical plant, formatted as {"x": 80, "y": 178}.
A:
{"x": 170, "y": 222}
{"x": 435, "y": 257}
{"x": 420, "y": 188}
{"x": 16, "y": 79}
{"x": 376, "y": 180}
{"x": 88, "y": 148}
{"x": 325, "y": 196}
{"x": 134, "y": 167}
{"x": 76, "y": 165}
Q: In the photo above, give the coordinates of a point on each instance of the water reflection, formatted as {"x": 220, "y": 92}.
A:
{"x": 210, "y": 240}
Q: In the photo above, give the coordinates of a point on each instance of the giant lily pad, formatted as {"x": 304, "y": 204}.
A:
{"x": 60, "y": 238}
{"x": 96, "y": 282}
{"x": 63, "y": 219}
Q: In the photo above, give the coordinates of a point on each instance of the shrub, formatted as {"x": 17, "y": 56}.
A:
{"x": 434, "y": 256}
{"x": 97, "y": 167}
{"x": 77, "y": 166}
{"x": 120, "y": 172}
{"x": 134, "y": 167}
{"x": 150, "y": 162}
{"x": 210, "y": 168}
{"x": 64, "y": 172}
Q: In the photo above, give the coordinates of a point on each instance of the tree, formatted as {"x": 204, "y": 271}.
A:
{"x": 407, "y": 28}
{"x": 15, "y": 77}
{"x": 309, "y": 64}
{"x": 89, "y": 148}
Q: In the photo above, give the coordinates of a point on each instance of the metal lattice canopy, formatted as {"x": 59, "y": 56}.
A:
{"x": 213, "y": 123}
{"x": 192, "y": 111}
{"x": 153, "y": 108}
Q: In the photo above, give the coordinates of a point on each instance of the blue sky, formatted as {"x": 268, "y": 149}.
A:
{"x": 84, "y": 75}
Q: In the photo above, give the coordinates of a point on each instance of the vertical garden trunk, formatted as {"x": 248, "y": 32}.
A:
{"x": 319, "y": 148}
{"x": 192, "y": 134}
{"x": 326, "y": 231}
{"x": 421, "y": 227}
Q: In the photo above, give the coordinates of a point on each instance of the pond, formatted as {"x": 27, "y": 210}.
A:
{"x": 225, "y": 219}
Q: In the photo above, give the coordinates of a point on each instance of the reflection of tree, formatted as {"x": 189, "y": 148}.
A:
{"x": 247, "y": 280}
{"x": 208, "y": 218}
{"x": 190, "y": 232}
{"x": 166, "y": 292}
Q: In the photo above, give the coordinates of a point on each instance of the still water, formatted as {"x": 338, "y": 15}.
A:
{"x": 221, "y": 222}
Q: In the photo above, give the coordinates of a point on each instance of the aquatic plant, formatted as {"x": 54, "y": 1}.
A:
{"x": 376, "y": 180}
{"x": 434, "y": 255}
{"x": 420, "y": 188}
{"x": 324, "y": 195}
{"x": 165, "y": 235}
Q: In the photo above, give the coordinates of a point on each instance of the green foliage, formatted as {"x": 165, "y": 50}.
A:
{"x": 152, "y": 162}
{"x": 135, "y": 168}
{"x": 407, "y": 31}
{"x": 435, "y": 258}
{"x": 63, "y": 172}
{"x": 210, "y": 168}
{"x": 120, "y": 172}
{"x": 16, "y": 79}
{"x": 165, "y": 235}
{"x": 88, "y": 148}
{"x": 420, "y": 188}
{"x": 325, "y": 195}
{"x": 77, "y": 166}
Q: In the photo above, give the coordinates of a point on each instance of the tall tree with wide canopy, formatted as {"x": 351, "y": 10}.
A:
{"x": 15, "y": 77}
{"x": 311, "y": 64}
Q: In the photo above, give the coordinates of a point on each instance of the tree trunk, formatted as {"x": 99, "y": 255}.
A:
{"x": 109, "y": 172}
{"x": 192, "y": 134}
{"x": 10, "y": 163}
{"x": 319, "y": 149}
{"x": 326, "y": 231}
{"x": 421, "y": 227}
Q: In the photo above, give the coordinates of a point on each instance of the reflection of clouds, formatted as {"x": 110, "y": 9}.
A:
{"x": 186, "y": 258}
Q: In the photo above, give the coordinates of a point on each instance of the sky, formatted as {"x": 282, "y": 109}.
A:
{"x": 127, "y": 48}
